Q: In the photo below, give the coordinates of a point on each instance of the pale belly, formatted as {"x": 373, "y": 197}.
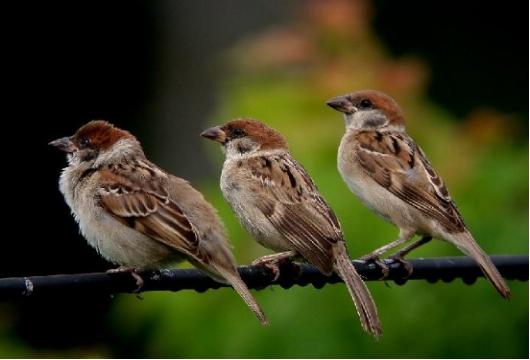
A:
{"x": 123, "y": 245}
{"x": 114, "y": 241}
{"x": 242, "y": 200}
{"x": 381, "y": 201}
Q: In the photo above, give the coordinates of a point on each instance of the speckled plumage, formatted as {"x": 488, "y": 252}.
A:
{"x": 391, "y": 175}
{"x": 137, "y": 215}
{"x": 277, "y": 202}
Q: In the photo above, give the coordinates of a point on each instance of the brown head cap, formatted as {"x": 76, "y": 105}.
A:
{"x": 368, "y": 100}
{"x": 378, "y": 100}
{"x": 99, "y": 134}
{"x": 262, "y": 134}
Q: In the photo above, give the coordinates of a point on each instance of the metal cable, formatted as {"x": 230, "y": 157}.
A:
{"x": 431, "y": 269}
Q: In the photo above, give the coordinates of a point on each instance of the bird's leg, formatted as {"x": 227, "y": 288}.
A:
{"x": 134, "y": 274}
{"x": 272, "y": 262}
{"x": 403, "y": 252}
{"x": 374, "y": 256}
{"x": 399, "y": 256}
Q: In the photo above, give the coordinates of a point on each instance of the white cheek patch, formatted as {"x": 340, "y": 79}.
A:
{"x": 230, "y": 150}
{"x": 240, "y": 148}
{"x": 73, "y": 159}
{"x": 367, "y": 119}
{"x": 246, "y": 145}
{"x": 375, "y": 121}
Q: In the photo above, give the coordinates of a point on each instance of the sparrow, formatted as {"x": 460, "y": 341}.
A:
{"x": 277, "y": 202}
{"x": 137, "y": 215}
{"x": 390, "y": 174}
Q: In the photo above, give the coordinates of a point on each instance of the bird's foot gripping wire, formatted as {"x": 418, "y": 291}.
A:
{"x": 134, "y": 274}
{"x": 275, "y": 262}
{"x": 374, "y": 259}
{"x": 407, "y": 266}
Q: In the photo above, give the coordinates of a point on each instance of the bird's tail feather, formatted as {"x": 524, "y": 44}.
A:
{"x": 358, "y": 291}
{"x": 467, "y": 244}
{"x": 233, "y": 278}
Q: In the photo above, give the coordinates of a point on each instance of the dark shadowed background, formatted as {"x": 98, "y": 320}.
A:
{"x": 165, "y": 70}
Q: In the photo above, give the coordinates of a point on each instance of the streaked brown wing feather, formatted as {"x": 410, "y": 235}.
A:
{"x": 140, "y": 199}
{"x": 395, "y": 162}
{"x": 295, "y": 208}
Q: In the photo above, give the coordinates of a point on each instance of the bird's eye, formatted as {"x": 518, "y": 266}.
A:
{"x": 238, "y": 132}
{"x": 84, "y": 142}
{"x": 365, "y": 104}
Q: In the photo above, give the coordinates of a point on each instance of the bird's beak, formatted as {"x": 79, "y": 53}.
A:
{"x": 64, "y": 144}
{"x": 342, "y": 104}
{"x": 215, "y": 134}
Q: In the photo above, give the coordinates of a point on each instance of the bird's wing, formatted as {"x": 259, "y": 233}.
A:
{"x": 291, "y": 202}
{"x": 136, "y": 193}
{"x": 396, "y": 163}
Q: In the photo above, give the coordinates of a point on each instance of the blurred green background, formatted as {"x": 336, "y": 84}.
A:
{"x": 281, "y": 72}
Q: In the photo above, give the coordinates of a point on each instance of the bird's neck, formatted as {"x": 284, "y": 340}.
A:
{"x": 122, "y": 150}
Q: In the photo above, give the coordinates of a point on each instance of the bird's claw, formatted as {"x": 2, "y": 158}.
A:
{"x": 272, "y": 266}
{"x": 383, "y": 267}
{"x": 134, "y": 274}
{"x": 404, "y": 263}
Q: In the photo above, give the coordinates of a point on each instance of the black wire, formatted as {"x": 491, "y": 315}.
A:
{"x": 432, "y": 269}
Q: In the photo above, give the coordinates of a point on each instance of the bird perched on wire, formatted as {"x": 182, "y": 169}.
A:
{"x": 391, "y": 175}
{"x": 277, "y": 202}
{"x": 138, "y": 216}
